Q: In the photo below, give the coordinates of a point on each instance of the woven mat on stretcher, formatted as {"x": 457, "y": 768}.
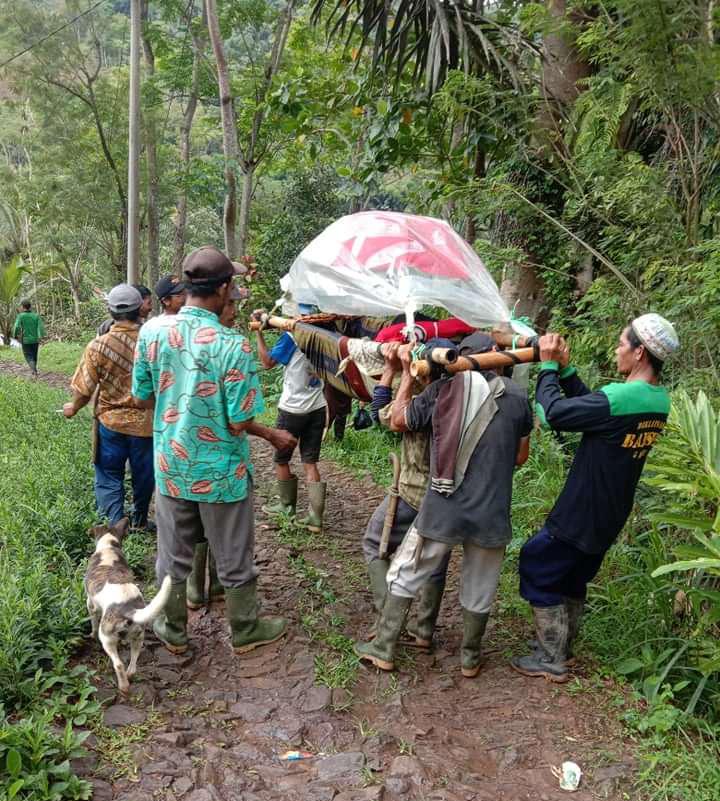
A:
{"x": 325, "y": 350}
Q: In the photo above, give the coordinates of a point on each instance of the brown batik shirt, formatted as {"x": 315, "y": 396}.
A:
{"x": 107, "y": 365}
{"x": 414, "y": 462}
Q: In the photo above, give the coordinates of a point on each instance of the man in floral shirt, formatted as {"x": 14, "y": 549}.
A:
{"x": 202, "y": 380}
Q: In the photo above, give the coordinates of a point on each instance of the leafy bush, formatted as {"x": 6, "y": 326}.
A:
{"x": 46, "y": 507}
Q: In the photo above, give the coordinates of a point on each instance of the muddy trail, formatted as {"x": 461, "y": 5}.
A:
{"x": 212, "y": 726}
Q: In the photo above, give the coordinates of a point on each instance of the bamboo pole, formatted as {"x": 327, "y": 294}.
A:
{"x": 491, "y": 360}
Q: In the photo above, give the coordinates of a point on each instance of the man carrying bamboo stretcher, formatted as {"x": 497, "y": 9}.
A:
{"x": 413, "y": 479}
{"x": 620, "y": 424}
{"x": 480, "y": 425}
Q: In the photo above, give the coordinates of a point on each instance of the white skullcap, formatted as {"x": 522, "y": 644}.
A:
{"x": 657, "y": 334}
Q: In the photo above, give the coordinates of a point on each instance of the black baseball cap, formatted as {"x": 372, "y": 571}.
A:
{"x": 169, "y": 285}
{"x": 210, "y": 266}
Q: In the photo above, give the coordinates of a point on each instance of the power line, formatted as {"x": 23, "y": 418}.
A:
{"x": 51, "y": 34}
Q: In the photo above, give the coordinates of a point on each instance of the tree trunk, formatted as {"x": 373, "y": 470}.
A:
{"x": 151, "y": 165}
{"x": 185, "y": 132}
{"x": 230, "y": 140}
{"x": 250, "y": 159}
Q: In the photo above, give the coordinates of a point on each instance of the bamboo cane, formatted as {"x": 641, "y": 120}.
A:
{"x": 491, "y": 360}
{"x": 391, "y": 510}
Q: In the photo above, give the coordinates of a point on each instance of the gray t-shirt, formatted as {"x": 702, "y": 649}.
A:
{"x": 302, "y": 390}
{"x": 479, "y": 509}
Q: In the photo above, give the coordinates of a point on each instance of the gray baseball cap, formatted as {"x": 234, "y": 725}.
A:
{"x": 124, "y": 298}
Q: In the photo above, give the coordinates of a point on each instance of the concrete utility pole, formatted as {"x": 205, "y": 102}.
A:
{"x": 133, "y": 223}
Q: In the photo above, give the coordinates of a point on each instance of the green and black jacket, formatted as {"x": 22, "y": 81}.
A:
{"x": 620, "y": 424}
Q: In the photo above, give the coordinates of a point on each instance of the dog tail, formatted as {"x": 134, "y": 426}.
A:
{"x": 153, "y": 609}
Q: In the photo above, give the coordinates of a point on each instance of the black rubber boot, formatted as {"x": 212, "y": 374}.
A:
{"x": 171, "y": 626}
{"x": 247, "y": 629}
{"x": 196, "y": 580}
{"x": 549, "y": 661}
{"x": 428, "y": 608}
{"x": 575, "y": 608}
{"x": 473, "y": 632}
{"x": 381, "y": 650}
{"x": 286, "y": 500}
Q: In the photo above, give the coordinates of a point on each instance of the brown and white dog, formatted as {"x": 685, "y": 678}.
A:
{"x": 115, "y": 603}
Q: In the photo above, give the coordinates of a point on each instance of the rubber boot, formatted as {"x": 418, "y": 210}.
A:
{"x": 249, "y": 631}
{"x": 377, "y": 571}
{"x": 575, "y": 608}
{"x": 316, "y": 502}
{"x": 171, "y": 626}
{"x": 549, "y": 661}
{"x": 474, "y": 625}
{"x": 287, "y": 498}
{"x": 196, "y": 580}
{"x": 381, "y": 650}
{"x": 421, "y": 632}
{"x": 217, "y": 591}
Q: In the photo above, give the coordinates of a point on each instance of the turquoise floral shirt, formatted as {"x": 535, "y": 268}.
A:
{"x": 203, "y": 377}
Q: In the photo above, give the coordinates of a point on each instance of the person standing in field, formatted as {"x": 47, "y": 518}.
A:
{"x": 124, "y": 428}
{"x": 29, "y": 330}
{"x": 201, "y": 379}
{"x": 620, "y": 423}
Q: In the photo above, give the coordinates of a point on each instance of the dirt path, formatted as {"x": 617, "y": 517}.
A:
{"x": 210, "y": 726}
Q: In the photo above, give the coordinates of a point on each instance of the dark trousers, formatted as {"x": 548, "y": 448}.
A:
{"x": 30, "y": 352}
{"x": 552, "y": 570}
{"x": 114, "y": 450}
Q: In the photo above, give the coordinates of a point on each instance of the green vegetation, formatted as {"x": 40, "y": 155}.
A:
{"x": 43, "y": 541}
{"x": 55, "y": 357}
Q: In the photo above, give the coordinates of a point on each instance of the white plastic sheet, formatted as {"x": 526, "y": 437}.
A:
{"x": 379, "y": 263}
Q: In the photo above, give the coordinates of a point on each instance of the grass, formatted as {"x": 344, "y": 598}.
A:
{"x": 55, "y": 357}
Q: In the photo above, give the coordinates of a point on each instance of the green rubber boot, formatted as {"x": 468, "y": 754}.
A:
{"x": 316, "y": 502}
{"x": 196, "y": 580}
{"x": 575, "y": 608}
{"x": 421, "y": 632}
{"x": 550, "y": 659}
{"x": 377, "y": 571}
{"x": 171, "y": 626}
{"x": 217, "y": 591}
{"x": 381, "y": 650}
{"x": 247, "y": 629}
{"x": 474, "y": 625}
{"x": 287, "y": 498}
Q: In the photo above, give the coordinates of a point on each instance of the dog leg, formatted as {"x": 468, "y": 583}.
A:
{"x": 110, "y": 644}
{"x": 95, "y": 615}
{"x": 135, "y": 638}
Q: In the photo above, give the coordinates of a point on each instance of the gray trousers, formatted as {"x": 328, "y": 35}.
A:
{"x": 404, "y": 517}
{"x": 228, "y": 527}
{"x": 417, "y": 558}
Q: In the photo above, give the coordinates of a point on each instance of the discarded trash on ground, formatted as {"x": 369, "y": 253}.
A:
{"x": 294, "y": 756}
{"x": 569, "y": 774}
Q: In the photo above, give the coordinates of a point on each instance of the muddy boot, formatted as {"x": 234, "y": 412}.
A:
{"x": 381, "y": 651}
{"x": 195, "y": 582}
{"x": 171, "y": 626}
{"x": 247, "y": 629}
{"x": 286, "y": 500}
{"x": 217, "y": 591}
{"x": 316, "y": 501}
{"x": 473, "y": 631}
{"x": 549, "y": 661}
{"x": 421, "y": 632}
{"x": 377, "y": 571}
{"x": 575, "y": 608}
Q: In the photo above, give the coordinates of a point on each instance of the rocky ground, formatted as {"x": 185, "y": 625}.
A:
{"x": 212, "y": 726}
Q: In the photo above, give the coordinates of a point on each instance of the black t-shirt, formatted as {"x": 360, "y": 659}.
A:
{"x": 620, "y": 424}
{"x": 479, "y": 509}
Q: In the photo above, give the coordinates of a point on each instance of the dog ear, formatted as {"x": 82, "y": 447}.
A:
{"x": 120, "y": 529}
{"x": 97, "y": 531}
